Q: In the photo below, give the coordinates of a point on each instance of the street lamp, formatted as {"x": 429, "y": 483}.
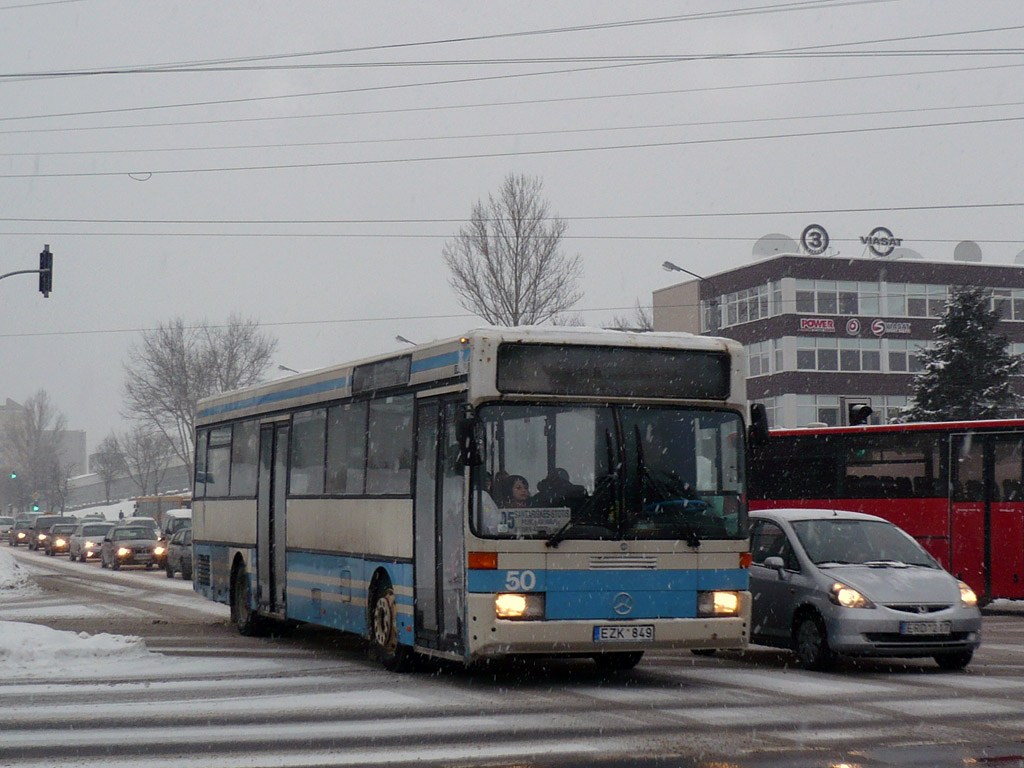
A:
{"x": 668, "y": 266}
{"x": 404, "y": 340}
{"x": 286, "y": 368}
{"x": 713, "y": 323}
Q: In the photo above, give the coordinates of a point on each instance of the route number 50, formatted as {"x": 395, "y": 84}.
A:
{"x": 516, "y": 581}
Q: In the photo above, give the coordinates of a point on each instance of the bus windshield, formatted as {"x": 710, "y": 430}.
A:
{"x": 573, "y": 471}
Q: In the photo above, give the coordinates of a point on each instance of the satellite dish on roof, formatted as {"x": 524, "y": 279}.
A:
{"x": 968, "y": 250}
{"x": 771, "y": 245}
{"x": 905, "y": 253}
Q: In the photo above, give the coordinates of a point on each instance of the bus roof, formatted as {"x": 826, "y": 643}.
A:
{"x": 432, "y": 361}
{"x": 916, "y": 426}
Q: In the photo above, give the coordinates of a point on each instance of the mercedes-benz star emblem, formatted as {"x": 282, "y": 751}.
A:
{"x": 622, "y": 603}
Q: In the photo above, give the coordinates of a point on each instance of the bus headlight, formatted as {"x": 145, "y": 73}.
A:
{"x": 967, "y": 596}
{"x": 719, "y": 603}
{"x": 518, "y": 606}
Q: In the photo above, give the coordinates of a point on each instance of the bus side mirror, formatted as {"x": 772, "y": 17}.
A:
{"x": 470, "y": 454}
{"x": 758, "y": 431}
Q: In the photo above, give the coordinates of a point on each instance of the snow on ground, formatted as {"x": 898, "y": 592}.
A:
{"x": 110, "y": 511}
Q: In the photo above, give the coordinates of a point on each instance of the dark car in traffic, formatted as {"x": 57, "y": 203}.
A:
{"x": 59, "y": 538}
{"x": 40, "y": 530}
{"x": 20, "y": 531}
{"x": 132, "y": 545}
{"x": 179, "y": 554}
{"x": 87, "y": 540}
{"x": 828, "y": 582}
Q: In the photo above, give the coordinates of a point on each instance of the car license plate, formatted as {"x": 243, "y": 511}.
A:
{"x": 623, "y": 633}
{"x": 925, "y": 627}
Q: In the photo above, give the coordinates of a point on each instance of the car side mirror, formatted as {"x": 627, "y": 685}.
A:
{"x": 776, "y": 563}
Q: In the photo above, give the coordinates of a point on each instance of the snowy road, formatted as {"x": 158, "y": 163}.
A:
{"x": 199, "y": 695}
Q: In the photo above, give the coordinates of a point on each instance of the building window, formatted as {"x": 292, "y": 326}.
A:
{"x": 904, "y": 356}
{"x": 823, "y": 409}
{"x": 759, "y": 358}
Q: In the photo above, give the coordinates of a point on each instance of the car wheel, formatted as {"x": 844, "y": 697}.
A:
{"x": 71, "y": 556}
{"x": 170, "y": 571}
{"x": 618, "y": 661}
{"x": 115, "y": 565}
{"x": 186, "y": 573}
{"x": 103, "y": 562}
{"x": 384, "y": 645}
{"x": 244, "y": 617}
{"x": 810, "y": 641}
{"x": 954, "y": 661}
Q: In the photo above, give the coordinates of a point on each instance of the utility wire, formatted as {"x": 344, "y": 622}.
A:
{"x": 147, "y": 173}
{"x": 488, "y": 105}
{"x": 512, "y": 134}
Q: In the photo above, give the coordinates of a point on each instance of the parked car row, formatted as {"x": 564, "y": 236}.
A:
{"x": 132, "y": 541}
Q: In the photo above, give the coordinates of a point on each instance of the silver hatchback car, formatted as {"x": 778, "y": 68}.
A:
{"x": 829, "y": 582}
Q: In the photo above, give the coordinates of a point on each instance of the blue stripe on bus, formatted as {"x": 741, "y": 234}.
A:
{"x": 338, "y": 606}
{"x": 590, "y": 594}
{"x": 440, "y": 361}
{"x": 274, "y": 397}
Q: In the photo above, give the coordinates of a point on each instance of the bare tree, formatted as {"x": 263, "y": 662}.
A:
{"x": 507, "y": 264}
{"x": 108, "y": 463}
{"x": 641, "y": 320}
{"x": 34, "y": 438}
{"x": 175, "y": 365}
{"x": 146, "y": 453}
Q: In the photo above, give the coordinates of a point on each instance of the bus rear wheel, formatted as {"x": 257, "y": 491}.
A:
{"x": 384, "y": 645}
{"x": 618, "y": 661}
{"x": 242, "y": 615}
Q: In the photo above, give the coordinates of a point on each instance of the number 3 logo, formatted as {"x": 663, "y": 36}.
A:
{"x": 814, "y": 239}
{"x": 516, "y": 581}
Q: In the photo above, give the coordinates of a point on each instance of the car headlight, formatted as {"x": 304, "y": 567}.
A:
{"x": 158, "y": 551}
{"x": 21, "y": 534}
{"x": 718, "y": 603}
{"x": 59, "y": 542}
{"x": 519, "y": 606}
{"x": 967, "y": 595}
{"x": 89, "y": 545}
{"x": 42, "y": 537}
{"x": 123, "y": 552}
{"x": 848, "y": 597}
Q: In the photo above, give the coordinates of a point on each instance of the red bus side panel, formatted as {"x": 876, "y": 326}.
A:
{"x": 1008, "y": 549}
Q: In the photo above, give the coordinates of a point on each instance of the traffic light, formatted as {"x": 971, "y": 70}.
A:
{"x": 859, "y": 413}
{"x": 45, "y": 272}
{"x": 14, "y": 475}
{"x": 35, "y": 507}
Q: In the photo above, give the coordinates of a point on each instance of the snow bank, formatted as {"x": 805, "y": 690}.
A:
{"x": 32, "y": 646}
{"x": 28, "y": 647}
{"x": 12, "y": 576}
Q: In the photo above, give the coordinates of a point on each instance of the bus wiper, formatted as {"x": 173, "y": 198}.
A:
{"x": 607, "y": 481}
{"x": 558, "y": 536}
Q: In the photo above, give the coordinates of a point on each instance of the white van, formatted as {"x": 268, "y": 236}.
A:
{"x": 174, "y": 520}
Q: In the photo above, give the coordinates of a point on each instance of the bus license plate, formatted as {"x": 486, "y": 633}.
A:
{"x": 623, "y": 633}
{"x": 925, "y": 627}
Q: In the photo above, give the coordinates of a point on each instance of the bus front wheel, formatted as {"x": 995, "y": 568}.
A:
{"x": 384, "y": 643}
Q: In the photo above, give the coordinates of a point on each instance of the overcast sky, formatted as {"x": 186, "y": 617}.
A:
{"x": 302, "y": 163}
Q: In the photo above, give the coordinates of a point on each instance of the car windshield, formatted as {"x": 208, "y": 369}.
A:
{"x": 841, "y": 541}
{"x": 95, "y": 530}
{"x": 132, "y": 533}
{"x": 612, "y": 472}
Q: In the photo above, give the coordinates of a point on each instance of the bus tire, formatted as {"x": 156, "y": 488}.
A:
{"x": 384, "y": 645}
{"x": 618, "y": 661}
{"x": 810, "y": 641}
{"x": 954, "y": 661}
{"x": 242, "y": 615}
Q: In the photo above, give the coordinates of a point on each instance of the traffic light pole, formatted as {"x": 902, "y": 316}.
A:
{"x": 45, "y": 272}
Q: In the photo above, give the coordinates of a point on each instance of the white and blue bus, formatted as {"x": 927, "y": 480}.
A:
{"x": 513, "y": 491}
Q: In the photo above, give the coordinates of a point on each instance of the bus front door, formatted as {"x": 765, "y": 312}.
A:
{"x": 270, "y": 518}
{"x": 438, "y": 554}
{"x": 987, "y": 513}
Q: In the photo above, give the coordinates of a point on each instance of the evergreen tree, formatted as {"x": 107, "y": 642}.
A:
{"x": 967, "y": 373}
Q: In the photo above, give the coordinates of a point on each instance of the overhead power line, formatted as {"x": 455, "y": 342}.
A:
{"x": 146, "y": 173}
{"x": 511, "y": 134}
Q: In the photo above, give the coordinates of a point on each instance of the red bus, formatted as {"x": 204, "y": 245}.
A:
{"x": 955, "y": 486}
